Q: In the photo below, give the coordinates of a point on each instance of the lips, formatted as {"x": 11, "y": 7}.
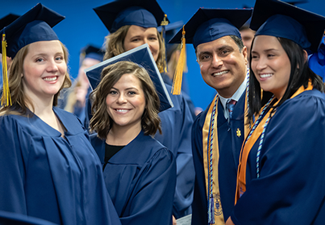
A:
{"x": 220, "y": 73}
{"x": 122, "y": 110}
{"x": 50, "y": 78}
{"x": 266, "y": 75}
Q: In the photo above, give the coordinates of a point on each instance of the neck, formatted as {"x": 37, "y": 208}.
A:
{"x": 41, "y": 106}
{"x": 122, "y": 135}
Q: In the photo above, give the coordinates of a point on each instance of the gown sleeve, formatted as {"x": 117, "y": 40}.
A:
{"x": 158, "y": 178}
{"x": 12, "y": 167}
{"x": 291, "y": 187}
{"x": 199, "y": 206}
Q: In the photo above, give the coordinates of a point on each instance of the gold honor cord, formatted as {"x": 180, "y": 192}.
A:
{"x": 218, "y": 213}
{"x": 246, "y": 147}
{"x": 6, "y": 98}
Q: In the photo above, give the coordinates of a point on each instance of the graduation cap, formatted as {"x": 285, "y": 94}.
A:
{"x": 210, "y": 24}
{"x": 8, "y": 19}
{"x": 143, "y": 13}
{"x": 170, "y": 30}
{"x": 317, "y": 61}
{"x": 280, "y": 19}
{"x": 141, "y": 56}
{"x": 35, "y": 25}
{"x": 92, "y": 52}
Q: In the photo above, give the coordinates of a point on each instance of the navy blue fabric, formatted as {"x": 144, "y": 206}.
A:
{"x": 9, "y": 218}
{"x": 229, "y": 149}
{"x": 35, "y": 25}
{"x": 49, "y": 177}
{"x": 140, "y": 178}
{"x": 280, "y": 19}
{"x": 210, "y": 24}
{"x": 291, "y": 186}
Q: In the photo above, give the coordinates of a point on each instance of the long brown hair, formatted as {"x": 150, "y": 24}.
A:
{"x": 101, "y": 122}
{"x": 16, "y": 88}
{"x": 114, "y": 46}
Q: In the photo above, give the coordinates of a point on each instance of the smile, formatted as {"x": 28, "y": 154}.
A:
{"x": 50, "y": 78}
{"x": 266, "y": 75}
{"x": 122, "y": 110}
{"x": 220, "y": 73}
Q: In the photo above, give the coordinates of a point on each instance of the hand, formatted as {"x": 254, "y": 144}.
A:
{"x": 174, "y": 221}
{"x": 229, "y": 221}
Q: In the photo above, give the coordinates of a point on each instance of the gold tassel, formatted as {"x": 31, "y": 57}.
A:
{"x": 164, "y": 23}
{"x": 178, "y": 76}
{"x": 6, "y": 98}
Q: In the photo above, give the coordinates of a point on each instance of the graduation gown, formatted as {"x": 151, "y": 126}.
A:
{"x": 50, "y": 177}
{"x": 229, "y": 149}
{"x": 176, "y": 124}
{"x": 291, "y": 186}
{"x": 140, "y": 178}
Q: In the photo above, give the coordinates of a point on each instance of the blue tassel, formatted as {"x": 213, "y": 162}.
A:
{"x": 211, "y": 210}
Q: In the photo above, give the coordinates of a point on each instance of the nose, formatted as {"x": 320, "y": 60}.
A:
{"x": 121, "y": 99}
{"x": 216, "y": 61}
{"x": 52, "y": 66}
{"x": 259, "y": 63}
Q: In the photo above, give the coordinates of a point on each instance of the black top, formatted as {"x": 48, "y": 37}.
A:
{"x": 110, "y": 151}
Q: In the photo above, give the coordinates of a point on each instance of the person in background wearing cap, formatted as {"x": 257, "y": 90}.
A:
{"x": 217, "y": 134}
{"x": 5, "y": 21}
{"x": 247, "y": 35}
{"x": 280, "y": 179}
{"x": 49, "y": 168}
{"x": 134, "y": 23}
{"x": 140, "y": 173}
{"x": 76, "y": 98}
{"x": 316, "y": 61}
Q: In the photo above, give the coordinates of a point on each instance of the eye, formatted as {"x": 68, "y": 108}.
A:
{"x": 39, "y": 60}
{"x": 112, "y": 92}
{"x": 59, "y": 58}
{"x": 225, "y": 52}
{"x": 135, "y": 40}
{"x": 270, "y": 55}
{"x": 153, "y": 38}
{"x": 254, "y": 56}
{"x": 204, "y": 58}
{"x": 131, "y": 93}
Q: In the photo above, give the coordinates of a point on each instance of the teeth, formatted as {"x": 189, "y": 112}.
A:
{"x": 122, "y": 110}
{"x": 50, "y": 78}
{"x": 265, "y": 75}
{"x": 220, "y": 73}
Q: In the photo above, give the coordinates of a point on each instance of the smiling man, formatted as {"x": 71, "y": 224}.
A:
{"x": 219, "y": 131}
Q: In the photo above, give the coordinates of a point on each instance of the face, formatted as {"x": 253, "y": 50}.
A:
{"x": 44, "y": 69}
{"x": 271, "y": 65}
{"x": 222, "y": 65}
{"x": 86, "y": 63}
{"x": 126, "y": 102}
{"x": 247, "y": 36}
{"x": 137, "y": 36}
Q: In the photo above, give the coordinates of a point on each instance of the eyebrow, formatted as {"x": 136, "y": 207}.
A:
{"x": 267, "y": 50}
{"x": 219, "y": 49}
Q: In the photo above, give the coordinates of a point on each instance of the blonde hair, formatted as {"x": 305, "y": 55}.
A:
{"x": 114, "y": 45}
{"x": 18, "y": 98}
{"x": 101, "y": 122}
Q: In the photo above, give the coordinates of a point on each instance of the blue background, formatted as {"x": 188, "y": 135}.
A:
{"x": 82, "y": 27}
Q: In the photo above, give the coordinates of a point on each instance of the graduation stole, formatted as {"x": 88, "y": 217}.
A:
{"x": 258, "y": 129}
{"x": 211, "y": 158}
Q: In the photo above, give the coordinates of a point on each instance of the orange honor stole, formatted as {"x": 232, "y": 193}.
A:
{"x": 250, "y": 141}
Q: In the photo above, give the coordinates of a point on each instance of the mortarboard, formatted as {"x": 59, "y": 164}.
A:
{"x": 210, "y": 24}
{"x": 92, "y": 52}
{"x": 33, "y": 26}
{"x": 317, "y": 61}
{"x": 170, "y": 30}
{"x": 143, "y": 13}
{"x": 280, "y": 19}
{"x": 143, "y": 57}
{"x": 8, "y": 19}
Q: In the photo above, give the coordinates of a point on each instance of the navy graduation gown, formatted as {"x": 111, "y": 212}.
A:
{"x": 176, "y": 124}
{"x": 140, "y": 179}
{"x": 9, "y": 218}
{"x": 229, "y": 149}
{"x": 291, "y": 186}
{"x": 50, "y": 177}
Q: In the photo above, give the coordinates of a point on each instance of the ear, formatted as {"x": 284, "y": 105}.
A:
{"x": 244, "y": 52}
{"x": 305, "y": 56}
